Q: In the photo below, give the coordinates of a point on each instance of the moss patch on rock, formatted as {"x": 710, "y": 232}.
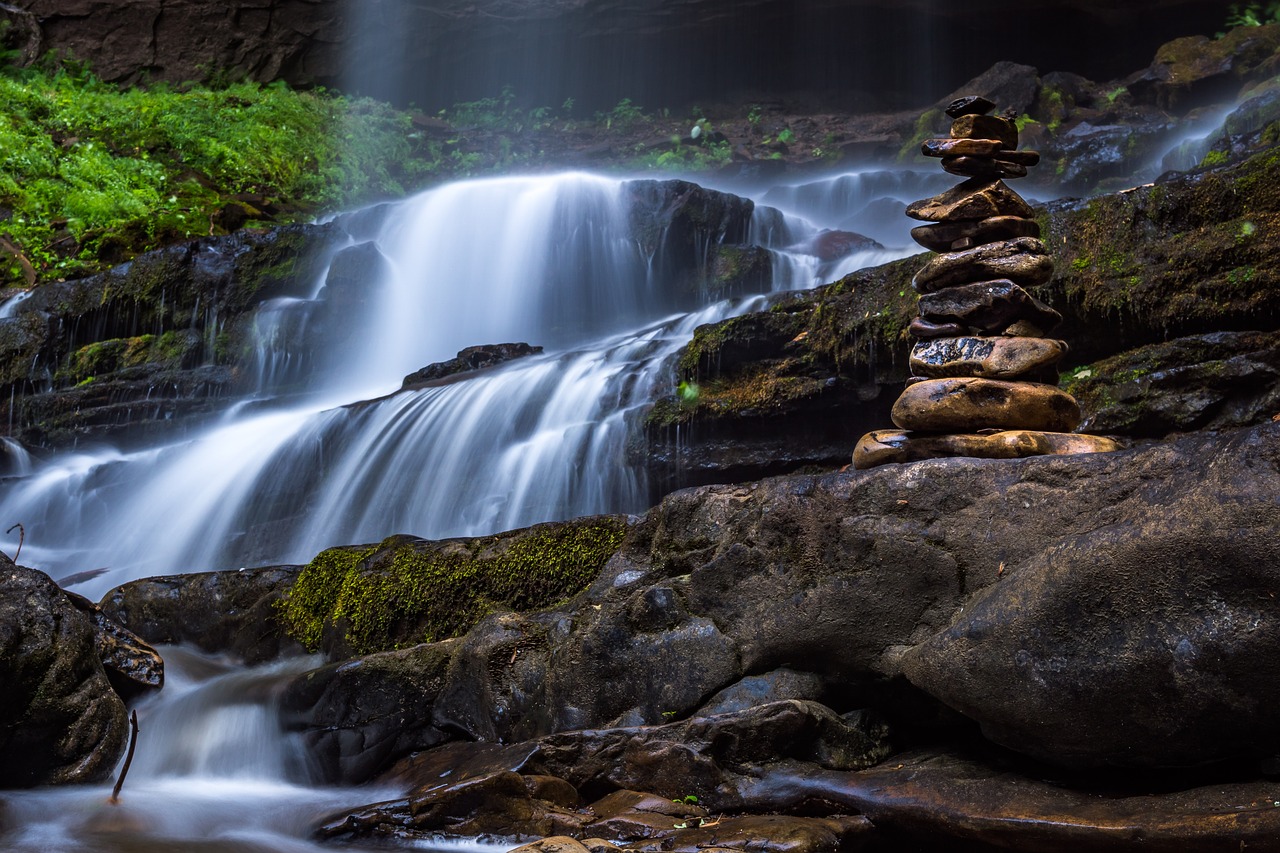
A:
{"x": 405, "y": 590}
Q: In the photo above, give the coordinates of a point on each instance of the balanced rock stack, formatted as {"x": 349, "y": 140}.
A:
{"x": 984, "y": 381}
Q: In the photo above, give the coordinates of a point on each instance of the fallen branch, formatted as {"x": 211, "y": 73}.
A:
{"x": 22, "y": 535}
{"x": 128, "y": 759}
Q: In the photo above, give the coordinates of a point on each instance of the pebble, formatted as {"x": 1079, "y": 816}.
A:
{"x": 1024, "y": 260}
{"x": 966, "y": 405}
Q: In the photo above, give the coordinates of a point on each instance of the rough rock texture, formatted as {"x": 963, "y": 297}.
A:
{"x": 360, "y": 716}
{"x": 1143, "y": 641}
{"x": 795, "y": 385}
{"x": 967, "y": 404}
{"x": 217, "y": 612}
{"x": 60, "y": 721}
{"x": 1223, "y": 379}
{"x": 469, "y": 359}
{"x": 881, "y": 446}
{"x": 133, "y": 667}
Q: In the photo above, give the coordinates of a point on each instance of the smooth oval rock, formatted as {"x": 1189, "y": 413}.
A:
{"x": 976, "y": 198}
{"x": 922, "y": 328}
{"x": 989, "y": 307}
{"x": 885, "y": 446}
{"x": 969, "y": 105}
{"x": 1022, "y": 158}
{"x": 969, "y": 405}
{"x": 942, "y": 236}
{"x": 982, "y": 167}
{"x": 974, "y": 126}
{"x": 1001, "y": 357}
{"x": 1023, "y": 260}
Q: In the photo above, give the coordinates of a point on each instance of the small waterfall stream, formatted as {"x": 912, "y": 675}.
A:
{"x": 550, "y": 260}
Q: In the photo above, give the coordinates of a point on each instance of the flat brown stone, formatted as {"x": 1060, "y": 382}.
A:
{"x": 985, "y": 127}
{"x": 969, "y": 105}
{"x": 970, "y": 404}
{"x": 941, "y": 237}
{"x": 1023, "y": 260}
{"x": 885, "y": 446}
{"x": 987, "y": 357}
{"x": 1022, "y": 158}
{"x": 976, "y": 198}
{"x": 982, "y": 167}
{"x": 990, "y": 307}
{"x": 922, "y": 328}
{"x": 959, "y": 147}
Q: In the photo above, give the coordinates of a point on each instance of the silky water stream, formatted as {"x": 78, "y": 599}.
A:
{"x": 548, "y": 260}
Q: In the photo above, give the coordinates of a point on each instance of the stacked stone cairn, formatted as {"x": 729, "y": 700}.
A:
{"x": 984, "y": 381}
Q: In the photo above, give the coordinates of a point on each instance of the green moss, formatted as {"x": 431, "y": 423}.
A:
{"x": 1214, "y": 158}
{"x": 405, "y": 591}
{"x": 170, "y": 351}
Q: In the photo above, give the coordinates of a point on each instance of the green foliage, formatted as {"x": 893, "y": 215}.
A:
{"x": 404, "y": 591}
{"x": 1117, "y": 93}
{"x": 93, "y": 174}
{"x": 1252, "y": 14}
{"x": 1214, "y": 158}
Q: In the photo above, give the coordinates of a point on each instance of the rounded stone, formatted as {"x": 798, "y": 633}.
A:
{"x": 1001, "y": 357}
{"x": 943, "y": 236}
{"x": 973, "y": 126}
{"x": 988, "y": 307}
{"x": 960, "y": 147}
{"x": 982, "y": 167}
{"x": 969, "y": 105}
{"x": 969, "y": 404}
{"x": 1023, "y": 260}
{"x": 976, "y": 198}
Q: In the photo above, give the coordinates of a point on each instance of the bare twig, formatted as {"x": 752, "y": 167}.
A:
{"x": 22, "y": 535}
{"x": 128, "y": 759}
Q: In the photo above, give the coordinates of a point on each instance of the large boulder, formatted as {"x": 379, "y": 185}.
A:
{"x": 60, "y": 721}
{"x": 1149, "y": 638}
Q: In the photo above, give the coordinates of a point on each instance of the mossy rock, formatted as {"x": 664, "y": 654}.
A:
{"x": 405, "y": 590}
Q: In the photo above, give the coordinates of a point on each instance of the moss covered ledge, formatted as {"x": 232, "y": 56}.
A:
{"x": 405, "y": 590}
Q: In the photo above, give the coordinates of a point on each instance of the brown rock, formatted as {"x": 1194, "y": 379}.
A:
{"x": 1024, "y": 260}
{"x": 941, "y": 237}
{"x": 982, "y": 167}
{"x": 969, "y": 105}
{"x": 990, "y": 307}
{"x": 1022, "y": 158}
{"x": 976, "y": 198}
{"x": 554, "y": 844}
{"x": 969, "y": 405}
{"x": 985, "y": 127}
{"x": 959, "y": 147}
{"x": 884, "y": 446}
{"x": 922, "y": 328}
{"x": 991, "y": 358}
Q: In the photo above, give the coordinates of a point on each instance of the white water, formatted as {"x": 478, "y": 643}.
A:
{"x": 547, "y": 260}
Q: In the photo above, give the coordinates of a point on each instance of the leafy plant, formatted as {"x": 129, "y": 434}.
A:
{"x": 1252, "y": 14}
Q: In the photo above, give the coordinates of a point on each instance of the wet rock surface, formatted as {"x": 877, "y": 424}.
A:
{"x": 60, "y": 720}
{"x": 471, "y": 358}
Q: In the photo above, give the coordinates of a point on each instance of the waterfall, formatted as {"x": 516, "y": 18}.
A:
{"x": 550, "y": 260}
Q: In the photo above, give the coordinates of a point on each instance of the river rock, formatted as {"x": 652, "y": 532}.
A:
{"x": 132, "y": 666}
{"x": 359, "y": 717}
{"x": 960, "y": 147}
{"x": 1002, "y": 357}
{"x": 969, "y": 105}
{"x": 60, "y": 720}
{"x": 1024, "y": 260}
{"x": 230, "y": 612}
{"x": 1154, "y": 644}
{"x": 968, "y": 405}
{"x": 973, "y": 126}
{"x": 926, "y": 330}
{"x": 982, "y": 167}
{"x": 883, "y": 446}
{"x": 942, "y": 237}
{"x": 755, "y": 690}
{"x": 976, "y": 198}
{"x": 988, "y": 307}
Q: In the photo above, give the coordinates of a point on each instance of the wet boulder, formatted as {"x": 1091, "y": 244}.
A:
{"x": 469, "y": 359}
{"x": 359, "y": 717}
{"x": 229, "y": 612}
{"x": 60, "y": 720}
{"x": 133, "y": 667}
{"x": 1148, "y": 638}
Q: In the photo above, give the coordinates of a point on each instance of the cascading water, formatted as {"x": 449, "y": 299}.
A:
{"x": 213, "y": 771}
{"x": 548, "y": 260}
